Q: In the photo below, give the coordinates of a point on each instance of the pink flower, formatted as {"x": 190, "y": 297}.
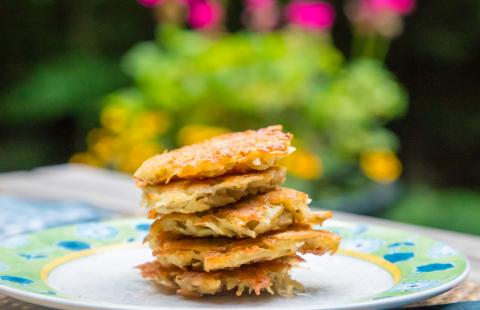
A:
{"x": 313, "y": 15}
{"x": 383, "y": 17}
{"x": 261, "y": 15}
{"x": 400, "y": 7}
{"x": 203, "y": 13}
{"x": 149, "y": 3}
{"x": 259, "y": 4}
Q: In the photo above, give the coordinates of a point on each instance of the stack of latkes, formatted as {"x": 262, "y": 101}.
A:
{"x": 222, "y": 221}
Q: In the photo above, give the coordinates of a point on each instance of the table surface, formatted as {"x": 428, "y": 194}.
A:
{"x": 115, "y": 191}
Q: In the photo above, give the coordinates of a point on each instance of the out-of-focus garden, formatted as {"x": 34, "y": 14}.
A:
{"x": 382, "y": 95}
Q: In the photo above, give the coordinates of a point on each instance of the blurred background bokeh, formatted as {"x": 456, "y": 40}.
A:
{"x": 382, "y": 95}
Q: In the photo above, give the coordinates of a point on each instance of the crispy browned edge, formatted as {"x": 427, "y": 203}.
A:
{"x": 229, "y": 153}
{"x": 220, "y": 253}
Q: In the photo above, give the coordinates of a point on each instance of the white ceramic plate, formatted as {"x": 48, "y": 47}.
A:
{"x": 92, "y": 266}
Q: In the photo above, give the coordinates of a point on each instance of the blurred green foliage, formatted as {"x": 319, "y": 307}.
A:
{"x": 285, "y": 76}
{"x": 336, "y": 109}
{"x": 64, "y": 89}
{"x": 454, "y": 209}
{"x": 61, "y": 88}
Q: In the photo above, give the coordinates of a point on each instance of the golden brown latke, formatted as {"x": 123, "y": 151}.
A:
{"x": 223, "y": 253}
{"x": 188, "y": 196}
{"x": 232, "y": 153}
{"x": 256, "y": 215}
{"x": 269, "y": 277}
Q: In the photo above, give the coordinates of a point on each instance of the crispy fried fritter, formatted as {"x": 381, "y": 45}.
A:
{"x": 188, "y": 196}
{"x": 274, "y": 210}
{"x": 232, "y": 153}
{"x": 269, "y": 277}
{"x": 223, "y": 253}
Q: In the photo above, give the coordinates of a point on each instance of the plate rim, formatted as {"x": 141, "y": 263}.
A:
{"x": 394, "y": 301}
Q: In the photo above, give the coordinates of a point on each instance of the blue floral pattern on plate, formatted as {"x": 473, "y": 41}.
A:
{"x": 73, "y": 245}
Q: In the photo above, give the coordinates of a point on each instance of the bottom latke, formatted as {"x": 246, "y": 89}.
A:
{"x": 270, "y": 276}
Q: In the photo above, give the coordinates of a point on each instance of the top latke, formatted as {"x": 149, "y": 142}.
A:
{"x": 237, "y": 152}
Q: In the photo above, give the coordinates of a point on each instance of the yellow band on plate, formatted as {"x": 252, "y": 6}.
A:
{"x": 379, "y": 261}
{"x": 69, "y": 257}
